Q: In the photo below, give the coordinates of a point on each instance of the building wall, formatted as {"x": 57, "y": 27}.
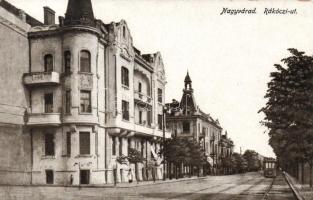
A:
{"x": 74, "y": 122}
{"x": 14, "y": 137}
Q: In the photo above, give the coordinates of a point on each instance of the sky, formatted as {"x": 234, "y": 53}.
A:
{"x": 229, "y": 57}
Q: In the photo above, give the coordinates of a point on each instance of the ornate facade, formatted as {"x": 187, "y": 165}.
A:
{"x": 186, "y": 119}
{"x": 91, "y": 96}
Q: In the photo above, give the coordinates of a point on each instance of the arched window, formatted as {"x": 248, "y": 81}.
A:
{"x": 125, "y": 77}
{"x": 85, "y": 65}
{"x": 67, "y": 62}
{"x": 48, "y": 63}
{"x": 139, "y": 87}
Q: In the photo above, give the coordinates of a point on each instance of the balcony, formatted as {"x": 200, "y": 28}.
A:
{"x": 143, "y": 129}
{"x": 44, "y": 119}
{"x": 41, "y": 78}
{"x": 142, "y": 98}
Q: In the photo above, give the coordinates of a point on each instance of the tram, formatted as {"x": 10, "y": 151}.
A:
{"x": 269, "y": 167}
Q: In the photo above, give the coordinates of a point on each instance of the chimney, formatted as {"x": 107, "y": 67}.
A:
{"x": 49, "y": 16}
{"x": 22, "y": 15}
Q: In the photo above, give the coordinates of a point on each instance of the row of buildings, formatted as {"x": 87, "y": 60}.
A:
{"x": 77, "y": 95}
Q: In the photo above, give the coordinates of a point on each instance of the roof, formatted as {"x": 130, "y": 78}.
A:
{"x": 79, "y": 12}
{"x": 17, "y": 12}
{"x": 187, "y": 78}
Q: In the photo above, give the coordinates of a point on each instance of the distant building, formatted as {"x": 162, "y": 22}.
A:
{"x": 187, "y": 120}
{"x": 226, "y": 151}
{"x": 84, "y": 95}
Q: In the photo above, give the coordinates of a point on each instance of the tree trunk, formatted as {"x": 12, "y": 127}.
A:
{"x": 136, "y": 172}
{"x": 302, "y": 172}
{"x": 311, "y": 165}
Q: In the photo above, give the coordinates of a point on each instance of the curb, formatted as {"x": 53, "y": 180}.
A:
{"x": 294, "y": 190}
{"x": 160, "y": 182}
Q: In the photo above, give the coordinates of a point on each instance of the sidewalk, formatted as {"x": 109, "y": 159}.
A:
{"x": 280, "y": 189}
{"x": 119, "y": 185}
{"x": 303, "y": 192}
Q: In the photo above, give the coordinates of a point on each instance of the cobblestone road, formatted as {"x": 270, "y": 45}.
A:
{"x": 250, "y": 186}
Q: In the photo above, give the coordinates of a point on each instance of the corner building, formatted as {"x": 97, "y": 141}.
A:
{"x": 92, "y": 96}
{"x": 187, "y": 120}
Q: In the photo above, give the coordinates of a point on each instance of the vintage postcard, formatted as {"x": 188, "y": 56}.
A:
{"x": 147, "y": 99}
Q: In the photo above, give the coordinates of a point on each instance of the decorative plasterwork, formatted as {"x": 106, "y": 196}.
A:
{"x": 85, "y": 81}
{"x": 141, "y": 71}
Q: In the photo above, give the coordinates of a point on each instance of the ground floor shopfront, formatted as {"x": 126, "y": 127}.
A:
{"x": 89, "y": 154}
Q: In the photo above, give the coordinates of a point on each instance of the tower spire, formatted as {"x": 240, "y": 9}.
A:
{"x": 188, "y": 81}
{"x": 79, "y": 12}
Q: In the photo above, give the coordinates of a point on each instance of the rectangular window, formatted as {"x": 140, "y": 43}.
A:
{"x": 68, "y": 143}
{"x": 149, "y": 117}
{"x": 160, "y": 122}
{"x": 160, "y": 95}
{"x": 84, "y": 176}
{"x": 84, "y": 143}
{"x": 49, "y": 144}
{"x": 120, "y": 147}
{"x": 140, "y": 117}
{"x": 113, "y": 146}
{"x": 48, "y": 63}
{"x": 85, "y": 101}
{"x": 68, "y": 101}
{"x": 48, "y": 103}
{"x": 125, "y": 110}
{"x": 67, "y": 62}
{"x": 49, "y": 176}
{"x": 186, "y": 127}
{"x": 125, "y": 77}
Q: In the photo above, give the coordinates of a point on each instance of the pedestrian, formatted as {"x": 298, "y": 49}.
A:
{"x": 130, "y": 176}
{"x": 71, "y": 179}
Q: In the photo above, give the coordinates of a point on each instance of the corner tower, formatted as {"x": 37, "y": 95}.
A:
{"x": 79, "y": 12}
{"x": 188, "y": 102}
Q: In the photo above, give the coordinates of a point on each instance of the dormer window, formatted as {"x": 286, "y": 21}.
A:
{"x": 139, "y": 87}
{"x": 124, "y": 32}
{"x": 85, "y": 63}
{"x": 48, "y": 62}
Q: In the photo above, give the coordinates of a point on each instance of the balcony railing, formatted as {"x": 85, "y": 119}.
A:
{"x": 44, "y": 119}
{"x": 140, "y": 97}
{"x": 41, "y": 78}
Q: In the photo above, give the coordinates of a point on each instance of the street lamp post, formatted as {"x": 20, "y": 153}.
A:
{"x": 163, "y": 128}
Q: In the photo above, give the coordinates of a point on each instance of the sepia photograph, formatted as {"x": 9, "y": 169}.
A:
{"x": 155, "y": 100}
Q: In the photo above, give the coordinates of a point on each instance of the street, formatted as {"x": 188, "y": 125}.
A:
{"x": 234, "y": 187}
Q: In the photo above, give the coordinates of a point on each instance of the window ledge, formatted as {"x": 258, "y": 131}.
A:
{"x": 88, "y": 73}
{"x": 85, "y": 113}
{"x": 125, "y": 87}
{"x": 83, "y": 156}
{"x": 47, "y": 157}
{"x": 125, "y": 120}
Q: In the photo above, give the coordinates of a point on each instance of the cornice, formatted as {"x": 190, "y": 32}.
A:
{"x": 62, "y": 30}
